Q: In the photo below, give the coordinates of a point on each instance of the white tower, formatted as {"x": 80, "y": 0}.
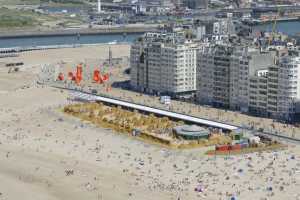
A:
{"x": 99, "y": 6}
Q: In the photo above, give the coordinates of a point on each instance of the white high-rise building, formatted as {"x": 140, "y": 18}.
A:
{"x": 163, "y": 63}
{"x": 288, "y": 96}
{"x": 99, "y": 6}
{"x": 200, "y": 32}
{"x": 223, "y": 27}
{"x": 248, "y": 80}
{"x": 275, "y": 91}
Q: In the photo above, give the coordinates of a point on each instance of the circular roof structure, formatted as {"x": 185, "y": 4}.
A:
{"x": 193, "y": 131}
{"x": 192, "y": 128}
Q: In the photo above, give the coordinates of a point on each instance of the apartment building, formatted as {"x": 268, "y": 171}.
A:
{"x": 260, "y": 64}
{"x": 239, "y": 79}
{"x": 223, "y": 27}
{"x": 274, "y": 91}
{"x": 258, "y": 93}
{"x": 248, "y": 80}
{"x": 222, "y": 76}
{"x": 164, "y": 63}
{"x": 288, "y": 92}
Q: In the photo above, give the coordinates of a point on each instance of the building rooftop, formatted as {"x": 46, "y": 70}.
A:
{"x": 174, "y": 115}
{"x": 260, "y": 61}
{"x": 166, "y": 38}
{"x": 191, "y": 131}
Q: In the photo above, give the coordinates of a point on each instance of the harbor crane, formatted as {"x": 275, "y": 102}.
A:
{"x": 274, "y": 26}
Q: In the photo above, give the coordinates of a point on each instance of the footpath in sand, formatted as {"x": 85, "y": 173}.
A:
{"x": 45, "y": 154}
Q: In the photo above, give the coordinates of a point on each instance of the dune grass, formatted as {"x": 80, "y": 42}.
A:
{"x": 15, "y": 18}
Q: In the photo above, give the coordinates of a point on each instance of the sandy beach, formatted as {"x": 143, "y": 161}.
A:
{"x": 45, "y": 154}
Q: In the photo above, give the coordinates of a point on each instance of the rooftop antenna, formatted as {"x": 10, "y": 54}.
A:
{"x": 99, "y": 6}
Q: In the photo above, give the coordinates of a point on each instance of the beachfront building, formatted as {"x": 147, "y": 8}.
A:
{"x": 260, "y": 64}
{"x": 164, "y": 63}
{"x": 223, "y": 73}
{"x": 258, "y": 93}
{"x": 288, "y": 91}
{"x": 222, "y": 76}
{"x": 274, "y": 90}
{"x": 249, "y": 80}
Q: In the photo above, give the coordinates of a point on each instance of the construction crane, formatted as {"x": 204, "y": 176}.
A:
{"x": 274, "y": 26}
